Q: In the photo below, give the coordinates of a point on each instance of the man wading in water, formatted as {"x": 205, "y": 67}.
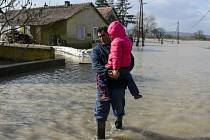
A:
{"x": 114, "y": 87}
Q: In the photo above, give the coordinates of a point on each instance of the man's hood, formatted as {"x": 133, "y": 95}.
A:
{"x": 116, "y": 29}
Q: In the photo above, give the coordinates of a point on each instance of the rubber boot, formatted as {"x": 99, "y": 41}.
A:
{"x": 118, "y": 123}
{"x": 100, "y": 132}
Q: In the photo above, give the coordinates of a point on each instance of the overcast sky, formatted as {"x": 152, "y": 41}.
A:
{"x": 167, "y": 12}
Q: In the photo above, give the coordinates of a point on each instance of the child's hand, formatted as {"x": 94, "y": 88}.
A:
{"x": 114, "y": 74}
{"x": 107, "y": 66}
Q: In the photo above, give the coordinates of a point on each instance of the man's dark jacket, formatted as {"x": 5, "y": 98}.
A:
{"x": 99, "y": 59}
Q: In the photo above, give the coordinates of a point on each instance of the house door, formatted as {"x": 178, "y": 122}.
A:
{"x": 95, "y": 34}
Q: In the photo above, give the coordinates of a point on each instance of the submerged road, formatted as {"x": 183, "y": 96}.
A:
{"x": 57, "y": 104}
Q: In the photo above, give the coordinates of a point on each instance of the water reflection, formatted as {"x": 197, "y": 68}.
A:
{"x": 57, "y": 104}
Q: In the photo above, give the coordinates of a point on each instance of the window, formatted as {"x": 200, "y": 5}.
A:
{"x": 81, "y": 32}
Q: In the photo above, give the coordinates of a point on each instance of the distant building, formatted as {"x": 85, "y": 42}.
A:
{"x": 108, "y": 13}
{"x": 72, "y": 25}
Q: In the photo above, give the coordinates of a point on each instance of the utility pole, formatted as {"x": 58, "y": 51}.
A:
{"x": 142, "y": 23}
{"x": 139, "y": 25}
{"x": 49, "y": 2}
{"x": 178, "y": 33}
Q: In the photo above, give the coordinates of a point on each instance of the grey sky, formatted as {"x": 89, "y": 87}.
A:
{"x": 167, "y": 12}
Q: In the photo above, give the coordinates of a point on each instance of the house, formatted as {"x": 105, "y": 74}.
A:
{"x": 108, "y": 13}
{"x": 72, "y": 25}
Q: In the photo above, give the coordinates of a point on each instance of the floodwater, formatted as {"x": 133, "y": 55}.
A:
{"x": 57, "y": 104}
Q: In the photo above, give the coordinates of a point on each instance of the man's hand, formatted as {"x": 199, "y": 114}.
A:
{"x": 114, "y": 74}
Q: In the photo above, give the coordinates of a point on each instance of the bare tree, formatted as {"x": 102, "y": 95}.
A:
{"x": 199, "y": 35}
{"x": 10, "y": 11}
{"x": 158, "y": 33}
{"x": 149, "y": 24}
{"x": 15, "y": 14}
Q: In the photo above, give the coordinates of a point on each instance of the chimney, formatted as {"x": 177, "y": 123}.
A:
{"x": 45, "y": 5}
{"x": 67, "y": 3}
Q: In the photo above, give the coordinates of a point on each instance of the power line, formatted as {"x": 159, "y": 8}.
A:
{"x": 200, "y": 19}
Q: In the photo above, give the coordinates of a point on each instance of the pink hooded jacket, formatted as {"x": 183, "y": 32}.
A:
{"x": 121, "y": 46}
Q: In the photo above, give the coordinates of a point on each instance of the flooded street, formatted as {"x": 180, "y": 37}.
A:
{"x": 58, "y": 104}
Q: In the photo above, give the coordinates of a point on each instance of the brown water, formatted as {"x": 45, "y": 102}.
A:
{"x": 58, "y": 104}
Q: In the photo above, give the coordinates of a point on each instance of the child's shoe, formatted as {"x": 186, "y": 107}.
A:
{"x": 138, "y": 96}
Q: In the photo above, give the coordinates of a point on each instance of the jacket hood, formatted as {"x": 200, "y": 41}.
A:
{"x": 116, "y": 29}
